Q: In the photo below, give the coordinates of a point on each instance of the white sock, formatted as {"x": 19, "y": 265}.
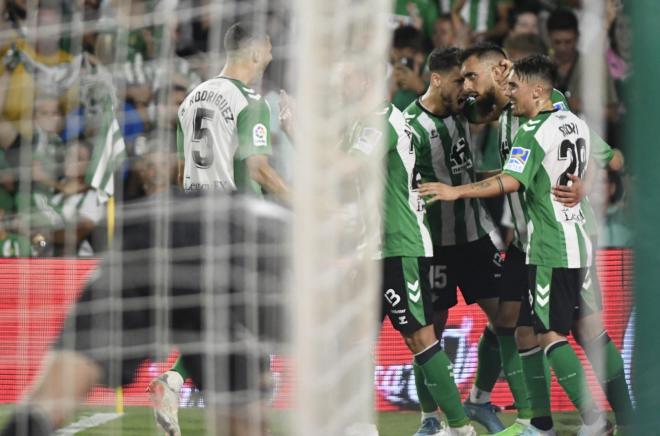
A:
{"x": 426, "y": 415}
{"x": 477, "y": 396}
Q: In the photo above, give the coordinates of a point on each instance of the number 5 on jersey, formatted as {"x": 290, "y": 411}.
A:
{"x": 202, "y": 154}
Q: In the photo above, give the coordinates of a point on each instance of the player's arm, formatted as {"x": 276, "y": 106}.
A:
{"x": 180, "y": 153}
{"x": 254, "y": 147}
{"x": 491, "y": 187}
{"x": 266, "y": 176}
{"x": 524, "y": 161}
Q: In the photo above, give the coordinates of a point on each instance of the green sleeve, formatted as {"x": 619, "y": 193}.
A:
{"x": 601, "y": 151}
{"x": 525, "y": 158}
{"x": 179, "y": 140}
{"x": 253, "y": 125}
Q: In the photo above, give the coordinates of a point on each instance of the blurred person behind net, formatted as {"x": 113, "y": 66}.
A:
{"x": 79, "y": 212}
{"x": 420, "y": 14}
{"x": 523, "y": 45}
{"x": 36, "y": 68}
{"x": 524, "y": 21}
{"x": 407, "y": 56}
{"x": 563, "y": 31}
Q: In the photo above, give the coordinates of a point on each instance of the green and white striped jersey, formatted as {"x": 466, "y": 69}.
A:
{"x": 509, "y": 124}
{"x": 480, "y": 15}
{"x": 444, "y": 155}
{"x": 508, "y": 127}
{"x": 222, "y": 122}
{"x": 544, "y": 152}
{"x": 405, "y": 229}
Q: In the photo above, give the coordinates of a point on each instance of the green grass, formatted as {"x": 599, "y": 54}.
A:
{"x": 139, "y": 421}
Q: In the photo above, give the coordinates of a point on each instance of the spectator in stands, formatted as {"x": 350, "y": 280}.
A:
{"x": 524, "y": 21}
{"x": 407, "y": 57}
{"x": 563, "y": 32}
{"x": 159, "y": 170}
{"x": 12, "y": 244}
{"x": 42, "y": 67}
{"x": 444, "y": 34}
{"x": 488, "y": 19}
{"x": 420, "y": 14}
{"x": 80, "y": 212}
{"x": 524, "y": 44}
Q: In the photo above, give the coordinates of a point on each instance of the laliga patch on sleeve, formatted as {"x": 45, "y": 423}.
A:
{"x": 368, "y": 140}
{"x": 517, "y": 159}
{"x": 260, "y": 135}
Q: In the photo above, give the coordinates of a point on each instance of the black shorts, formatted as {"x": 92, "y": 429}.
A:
{"x": 221, "y": 304}
{"x": 560, "y": 296}
{"x": 475, "y": 267}
{"x": 514, "y": 275}
{"x": 406, "y": 293}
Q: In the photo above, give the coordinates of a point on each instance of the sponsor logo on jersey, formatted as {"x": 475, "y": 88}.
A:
{"x": 560, "y": 106}
{"x": 460, "y": 157}
{"x": 368, "y": 139}
{"x": 517, "y": 159}
{"x": 260, "y": 135}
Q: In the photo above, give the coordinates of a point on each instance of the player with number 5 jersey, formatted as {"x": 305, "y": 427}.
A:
{"x": 223, "y": 134}
{"x": 223, "y": 144}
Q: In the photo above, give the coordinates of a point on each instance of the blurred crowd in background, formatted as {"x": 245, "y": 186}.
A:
{"x": 89, "y": 91}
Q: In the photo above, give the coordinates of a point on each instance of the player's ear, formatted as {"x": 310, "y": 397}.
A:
{"x": 436, "y": 80}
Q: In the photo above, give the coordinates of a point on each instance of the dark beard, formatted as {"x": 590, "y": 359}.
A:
{"x": 485, "y": 105}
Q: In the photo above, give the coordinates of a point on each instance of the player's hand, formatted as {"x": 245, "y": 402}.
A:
{"x": 433, "y": 192}
{"x": 287, "y": 113}
{"x": 569, "y": 196}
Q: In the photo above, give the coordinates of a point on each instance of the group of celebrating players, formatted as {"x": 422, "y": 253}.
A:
{"x": 435, "y": 237}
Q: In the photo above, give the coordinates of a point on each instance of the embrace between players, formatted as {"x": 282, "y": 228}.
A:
{"x": 544, "y": 290}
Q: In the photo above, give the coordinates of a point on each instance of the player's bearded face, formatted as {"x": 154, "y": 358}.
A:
{"x": 478, "y": 83}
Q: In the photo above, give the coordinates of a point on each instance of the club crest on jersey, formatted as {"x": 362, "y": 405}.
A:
{"x": 517, "y": 159}
{"x": 460, "y": 157}
{"x": 260, "y": 135}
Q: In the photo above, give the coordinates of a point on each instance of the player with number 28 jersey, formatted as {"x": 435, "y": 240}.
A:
{"x": 545, "y": 150}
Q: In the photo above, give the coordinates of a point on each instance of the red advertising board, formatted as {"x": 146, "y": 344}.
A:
{"x": 37, "y": 293}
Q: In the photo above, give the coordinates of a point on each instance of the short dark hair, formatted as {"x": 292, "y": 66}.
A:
{"x": 408, "y": 37}
{"x": 540, "y": 66}
{"x": 562, "y": 19}
{"x": 481, "y": 50}
{"x": 444, "y": 59}
{"x": 444, "y": 17}
{"x": 241, "y": 34}
{"x": 515, "y": 13}
{"x": 527, "y": 43}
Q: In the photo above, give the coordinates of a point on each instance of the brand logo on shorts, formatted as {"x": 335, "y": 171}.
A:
{"x": 392, "y": 297}
{"x": 542, "y": 295}
{"x": 403, "y": 320}
{"x": 413, "y": 291}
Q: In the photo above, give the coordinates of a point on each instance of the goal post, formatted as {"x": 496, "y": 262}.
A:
{"x": 335, "y": 279}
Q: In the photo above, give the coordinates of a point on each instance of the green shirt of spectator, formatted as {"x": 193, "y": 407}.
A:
{"x": 415, "y": 11}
